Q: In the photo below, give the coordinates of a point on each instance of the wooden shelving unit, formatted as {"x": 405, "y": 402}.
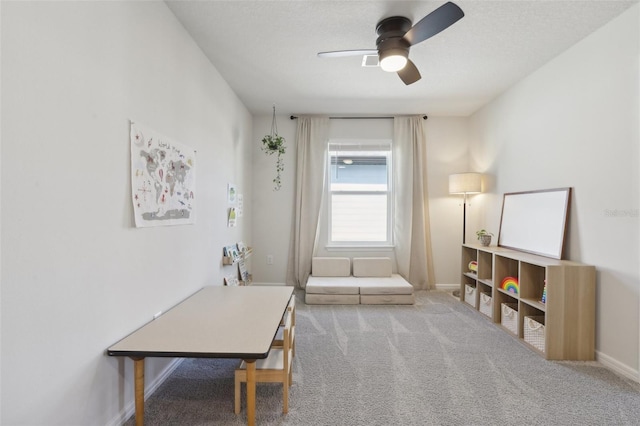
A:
{"x": 568, "y": 315}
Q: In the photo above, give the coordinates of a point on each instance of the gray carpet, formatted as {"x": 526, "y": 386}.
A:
{"x": 435, "y": 363}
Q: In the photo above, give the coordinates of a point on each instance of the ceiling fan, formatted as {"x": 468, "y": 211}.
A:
{"x": 396, "y": 36}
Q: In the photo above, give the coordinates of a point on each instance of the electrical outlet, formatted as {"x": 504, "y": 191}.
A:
{"x": 269, "y": 259}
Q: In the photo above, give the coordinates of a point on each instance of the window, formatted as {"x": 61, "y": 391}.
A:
{"x": 359, "y": 183}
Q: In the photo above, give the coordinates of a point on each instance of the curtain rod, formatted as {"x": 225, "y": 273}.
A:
{"x": 293, "y": 117}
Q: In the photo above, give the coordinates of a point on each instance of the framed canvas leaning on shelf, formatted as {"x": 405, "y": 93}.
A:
{"x": 535, "y": 221}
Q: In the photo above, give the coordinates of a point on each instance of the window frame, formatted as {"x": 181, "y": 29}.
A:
{"x": 357, "y": 143}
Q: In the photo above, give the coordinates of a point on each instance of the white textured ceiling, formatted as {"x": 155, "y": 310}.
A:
{"x": 266, "y": 51}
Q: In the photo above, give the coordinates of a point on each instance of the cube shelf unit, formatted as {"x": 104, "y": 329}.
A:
{"x": 568, "y": 316}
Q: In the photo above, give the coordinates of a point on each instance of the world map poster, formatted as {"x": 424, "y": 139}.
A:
{"x": 163, "y": 178}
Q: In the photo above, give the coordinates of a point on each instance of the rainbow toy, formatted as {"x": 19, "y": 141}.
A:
{"x": 510, "y": 284}
{"x": 473, "y": 266}
{"x": 544, "y": 292}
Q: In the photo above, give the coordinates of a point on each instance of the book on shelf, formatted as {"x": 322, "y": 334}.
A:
{"x": 243, "y": 272}
{"x": 242, "y": 248}
{"x": 231, "y": 281}
{"x": 231, "y": 252}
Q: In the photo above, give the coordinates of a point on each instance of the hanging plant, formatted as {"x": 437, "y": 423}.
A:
{"x": 274, "y": 144}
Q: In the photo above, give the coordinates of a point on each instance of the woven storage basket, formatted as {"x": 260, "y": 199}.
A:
{"x": 509, "y": 317}
{"x": 486, "y": 304}
{"x": 470, "y": 295}
{"x": 534, "y": 331}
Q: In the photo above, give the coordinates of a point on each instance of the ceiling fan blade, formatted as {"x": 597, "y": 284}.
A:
{"x": 409, "y": 74}
{"x": 343, "y": 53}
{"x": 438, "y": 20}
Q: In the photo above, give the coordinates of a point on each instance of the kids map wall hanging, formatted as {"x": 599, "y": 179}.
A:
{"x": 163, "y": 179}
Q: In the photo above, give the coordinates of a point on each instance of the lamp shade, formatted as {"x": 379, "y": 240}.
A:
{"x": 465, "y": 183}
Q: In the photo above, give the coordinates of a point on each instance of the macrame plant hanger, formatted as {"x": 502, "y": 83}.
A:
{"x": 274, "y": 144}
{"x": 274, "y": 123}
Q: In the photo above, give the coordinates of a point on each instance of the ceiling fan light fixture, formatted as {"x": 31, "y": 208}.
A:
{"x": 393, "y": 60}
{"x": 396, "y": 36}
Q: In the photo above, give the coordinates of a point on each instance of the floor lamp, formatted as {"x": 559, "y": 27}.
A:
{"x": 465, "y": 183}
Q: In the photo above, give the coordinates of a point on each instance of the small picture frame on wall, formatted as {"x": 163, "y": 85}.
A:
{"x": 232, "y": 193}
{"x": 231, "y": 222}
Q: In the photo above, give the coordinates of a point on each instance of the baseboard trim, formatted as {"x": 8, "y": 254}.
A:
{"x": 618, "y": 367}
{"x": 447, "y": 287}
{"x": 130, "y": 408}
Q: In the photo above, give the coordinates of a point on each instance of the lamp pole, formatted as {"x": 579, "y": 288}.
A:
{"x": 464, "y": 218}
{"x": 465, "y": 184}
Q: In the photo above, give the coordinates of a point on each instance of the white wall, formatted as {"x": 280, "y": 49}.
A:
{"x": 273, "y": 210}
{"x": 447, "y": 152}
{"x": 574, "y": 122}
{"x": 76, "y": 275}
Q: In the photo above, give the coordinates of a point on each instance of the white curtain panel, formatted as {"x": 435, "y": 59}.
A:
{"x": 312, "y": 135}
{"x": 411, "y": 209}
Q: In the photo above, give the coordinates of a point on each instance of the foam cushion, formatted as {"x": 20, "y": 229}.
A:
{"x": 371, "y": 267}
{"x": 386, "y": 299}
{"x": 332, "y": 299}
{"x": 332, "y": 285}
{"x": 330, "y": 267}
{"x": 394, "y": 284}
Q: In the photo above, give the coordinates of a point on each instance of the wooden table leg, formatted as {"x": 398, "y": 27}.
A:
{"x": 251, "y": 391}
{"x": 138, "y": 369}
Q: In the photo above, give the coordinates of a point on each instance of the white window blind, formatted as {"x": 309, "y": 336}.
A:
{"x": 359, "y": 193}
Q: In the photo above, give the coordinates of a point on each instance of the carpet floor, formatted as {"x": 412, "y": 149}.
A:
{"x": 437, "y": 362}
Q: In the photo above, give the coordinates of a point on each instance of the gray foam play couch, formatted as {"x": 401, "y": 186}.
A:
{"x": 371, "y": 282}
